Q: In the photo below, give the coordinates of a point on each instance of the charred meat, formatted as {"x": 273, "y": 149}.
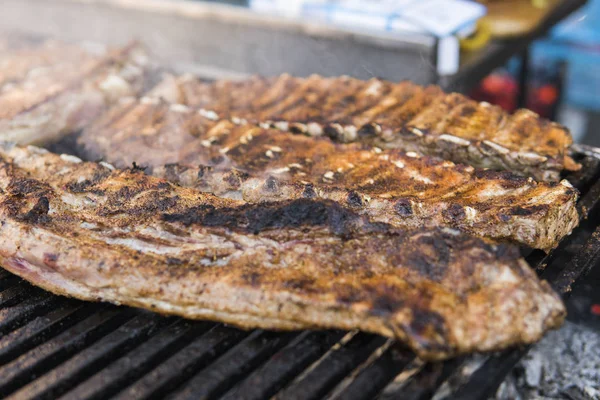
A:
{"x": 89, "y": 231}
{"x": 389, "y": 115}
{"x": 192, "y": 148}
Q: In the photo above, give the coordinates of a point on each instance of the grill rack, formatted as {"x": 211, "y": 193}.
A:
{"x": 55, "y": 347}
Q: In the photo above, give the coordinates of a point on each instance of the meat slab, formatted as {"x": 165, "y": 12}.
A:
{"x": 193, "y": 148}
{"x": 49, "y": 88}
{"x": 389, "y": 115}
{"x": 89, "y": 231}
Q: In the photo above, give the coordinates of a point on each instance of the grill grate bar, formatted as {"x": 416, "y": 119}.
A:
{"x": 15, "y": 294}
{"x": 484, "y": 382}
{"x": 119, "y": 374}
{"x": 5, "y": 274}
{"x": 584, "y": 261}
{"x": 589, "y": 201}
{"x": 9, "y": 281}
{"x": 181, "y": 366}
{"x": 86, "y": 362}
{"x": 581, "y": 179}
{"x": 333, "y": 368}
{"x": 234, "y": 365}
{"x": 285, "y": 365}
{"x": 374, "y": 377}
{"x": 16, "y": 316}
{"x": 39, "y": 330}
{"x": 425, "y": 383}
{"x": 50, "y": 354}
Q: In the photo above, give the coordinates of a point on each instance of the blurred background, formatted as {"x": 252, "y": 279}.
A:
{"x": 539, "y": 54}
{"x": 553, "y": 49}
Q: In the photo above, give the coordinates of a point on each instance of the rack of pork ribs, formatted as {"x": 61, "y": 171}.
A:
{"x": 284, "y": 203}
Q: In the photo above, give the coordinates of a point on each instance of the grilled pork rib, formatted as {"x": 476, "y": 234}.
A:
{"x": 51, "y": 88}
{"x": 389, "y": 115}
{"x": 255, "y": 164}
{"x": 89, "y": 231}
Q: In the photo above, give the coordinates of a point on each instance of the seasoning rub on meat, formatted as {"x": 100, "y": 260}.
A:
{"x": 89, "y": 231}
{"x": 389, "y": 115}
{"x": 247, "y": 162}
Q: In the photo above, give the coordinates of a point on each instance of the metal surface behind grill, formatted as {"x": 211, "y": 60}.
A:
{"x": 53, "y": 347}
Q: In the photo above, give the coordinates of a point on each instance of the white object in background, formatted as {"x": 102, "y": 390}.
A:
{"x": 574, "y": 119}
{"x": 288, "y": 8}
{"x": 439, "y": 17}
{"x": 400, "y": 24}
{"x": 353, "y": 19}
{"x": 265, "y": 6}
{"x": 356, "y": 14}
{"x": 444, "y": 17}
{"x": 448, "y": 55}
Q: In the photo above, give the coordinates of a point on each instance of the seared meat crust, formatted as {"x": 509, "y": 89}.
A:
{"x": 89, "y": 231}
{"x": 49, "y": 89}
{"x": 389, "y": 115}
{"x": 256, "y": 164}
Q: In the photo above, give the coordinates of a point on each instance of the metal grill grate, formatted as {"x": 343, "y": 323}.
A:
{"x": 52, "y": 347}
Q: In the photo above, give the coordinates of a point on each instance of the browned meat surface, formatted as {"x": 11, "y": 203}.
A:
{"x": 89, "y": 231}
{"x": 48, "y": 88}
{"x": 256, "y": 164}
{"x": 389, "y": 115}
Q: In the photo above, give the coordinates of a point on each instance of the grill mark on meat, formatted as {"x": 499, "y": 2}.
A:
{"x": 509, "y": 181}
{"x": 309, "y": 191}
{"x": 296, "y": 99}
{"x": 83, "y": 185}
{"x": 430, "y": 324}
{"x": 523, "y": 142}
{"x": 540, "y": 208}
{"x": 441, "y": 193}
{"x": 432, "y": 260}
{"x": 399, "y": 114}
{"x": 354, "y": 199}
{"x": 362, "y": 103}
{"x": 256, "y": 218}
{"x": 398, "y": 96}
{"x": 403, "y": 207}
{"x": 343, "y": 97}
{"x": 274, "y": 93}
{"x": 24, "y": 186}
{"x": 310, "y": 110}
{"x": 455, "y": 212}
{"x": 38, "y": 213}
{"x": 271, "y": 184}
{"x": 288, "y": 265}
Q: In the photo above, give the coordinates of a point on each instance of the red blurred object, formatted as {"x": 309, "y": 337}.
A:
{"x": 595, "y": 309}
{"x": 499, "y": 89}
{"x": 543, "y": 99}
{"x": 547, "y": 94}
{"x": 502, "y": 89}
